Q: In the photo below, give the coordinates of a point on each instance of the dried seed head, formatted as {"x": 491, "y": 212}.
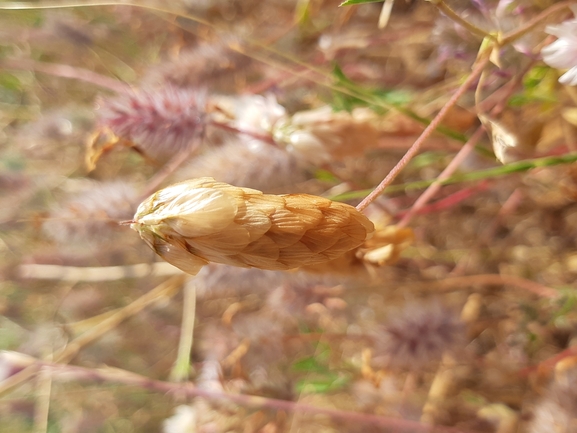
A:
{"x": 93, "y": 214}
{"x": 322, "y": 135}
{"x": 159, "y": 122}
{"x": 213, "y": 65}
{"x": 419, "y": 335}
{"x": 248, "y": 163}
{"x": 382, "y": 249}
{"x": 201, "y": 220}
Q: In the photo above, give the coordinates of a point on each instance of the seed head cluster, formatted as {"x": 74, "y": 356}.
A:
{"x": 418, "y": 336}
{"x": 199, "y": 221}
{"x": 158, "y": 122}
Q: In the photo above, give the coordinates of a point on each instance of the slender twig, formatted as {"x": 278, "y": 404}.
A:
{"x": 182, "y": 367}
{"x": 480, "y": 66}
{"x": 267, "y": 138}
{"x": 110, "y": 375}
{"x": 434, "y": 188}
{"x": 549, "y": 363}
{"x": 496, "y": 280}
{"x": 449, "y": 201}
{"x": 508, "y": 207}
{"x": 96, "y": 273}
{"x": 66, "y": 71}
{"x": 42, "y": 407}
{"x": 446, "y": 9}
{"x": 488, "y": 173}
{"x": 539, "y": 20}
{"x": 165, "y": 289}
{"x": 169, "y": 168}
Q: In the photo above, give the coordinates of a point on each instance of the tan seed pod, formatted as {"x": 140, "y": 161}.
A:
{"x": 322, "y": 136}
{"x": 198, "y": 221}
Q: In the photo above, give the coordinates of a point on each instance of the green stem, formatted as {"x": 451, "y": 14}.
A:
{"x": 488, "y": 173}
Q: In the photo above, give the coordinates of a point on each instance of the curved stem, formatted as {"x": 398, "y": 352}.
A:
{"x": 115, "y": 375}
{"x": 446, "y": 9}
{"x": 534, "y": 22}
{"x": 67, "y": 71}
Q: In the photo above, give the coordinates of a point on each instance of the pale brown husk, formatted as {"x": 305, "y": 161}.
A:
{"x": 199, "y": 221}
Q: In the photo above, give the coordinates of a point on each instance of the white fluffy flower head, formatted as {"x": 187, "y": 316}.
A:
{"x": 183, "y": 421}
{"x": 562, "y": 54}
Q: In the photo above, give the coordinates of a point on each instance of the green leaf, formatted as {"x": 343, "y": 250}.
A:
{"x": 358, "y": 2}
{"x": 539, "y": 85}
{"x": 567, "y": 307}
{"x": 325, "y": 176}
{"x": 327, "y": 383}
{"x": 488, "y": 173}
{"x": 309, "y": 364}
{"x": 10, "y": 82}
{"x": 425, "y": 159}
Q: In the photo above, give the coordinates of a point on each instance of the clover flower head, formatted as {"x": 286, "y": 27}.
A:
{"x": 159, "y": 122}
{"x": 418, "y": 336}
{"x": 247, "y": 163}
{"x": 92, "y": 214}
{"x": 562, "y": 54}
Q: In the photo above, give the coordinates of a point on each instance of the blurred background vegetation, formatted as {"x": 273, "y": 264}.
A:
{"x": 470, "y": 324}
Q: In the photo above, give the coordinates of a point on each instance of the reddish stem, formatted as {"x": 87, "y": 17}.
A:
{"x": 267, "y": 138}
{"x": 445, "y": 203}
{"x": 549, "y": 363}
{"x": 69, "y": 372}
{"x": 480, "y": 66}
{"x": 67, "y": 71}
{"x": 434, "y": 188}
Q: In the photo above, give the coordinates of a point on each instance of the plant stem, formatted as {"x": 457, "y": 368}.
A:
{"x": 114, "y": 375}
{"x": 414, "y": 149}
{"x": 488, "y": 173}
{"x": 182, "y": 368}
{"x": 66, "y": 71}
{"x": 446, "y": 9}
{"x": 167, "y": 288}
{"x": 534, "y": 22}
{"x": 446, "y": 174}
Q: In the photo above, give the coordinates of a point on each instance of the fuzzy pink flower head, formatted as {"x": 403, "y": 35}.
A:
{"x": 562, "y": 54}
{"x": 159, "y": 122}
{"x": 418, "y": 335}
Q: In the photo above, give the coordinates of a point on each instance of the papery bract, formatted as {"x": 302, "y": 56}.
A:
{"x": 199, "y": 221}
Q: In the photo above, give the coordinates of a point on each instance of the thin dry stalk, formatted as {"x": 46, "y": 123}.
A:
{"x": 169, "y": 168}
{"x": 512, "y": 203}
{"x": 479, "y": 68}
{"x": 113, "y": 375}
{"x": 166, "y": 289}
{"x": 66, "y": 71}
{"x": 42, "y": 408}
{"x": 182, "y": 367}
{"x": 495, "y": 280}
{"x": 539, "y": 20}
{"x": 95, "y": 274}
{"x": 434, "y": 188}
